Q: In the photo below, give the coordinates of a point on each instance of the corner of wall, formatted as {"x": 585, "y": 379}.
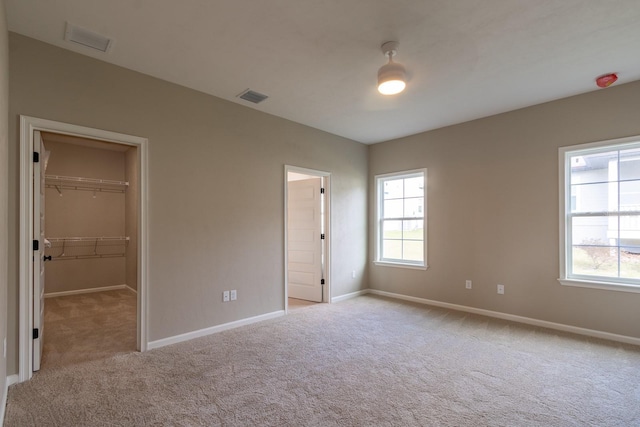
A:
{"x": 4, "y": 201}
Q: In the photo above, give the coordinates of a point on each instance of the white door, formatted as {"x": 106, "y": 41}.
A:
{"x": 304, "y": 241}
{"x": 38, "y": 255}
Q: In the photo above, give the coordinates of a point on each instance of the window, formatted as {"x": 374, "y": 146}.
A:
{"x": 600, "y": 215}
{"x": 401, "y": 219}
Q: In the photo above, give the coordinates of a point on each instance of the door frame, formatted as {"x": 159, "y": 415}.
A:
{"x": 27, "y": 127}
{"x": 326, "y": 291}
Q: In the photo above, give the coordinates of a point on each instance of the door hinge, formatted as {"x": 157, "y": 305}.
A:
{"x": 322, "y": 281}
{"x": 36, "y": 333}
{"x": 36, "y": 157}
{"x": 321, "y": 190}
{"x": 322, "y": 236}
{"x": 36, "y": 245}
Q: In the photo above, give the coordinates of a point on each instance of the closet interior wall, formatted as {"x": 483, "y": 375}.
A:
{"x": 71, "y": 212}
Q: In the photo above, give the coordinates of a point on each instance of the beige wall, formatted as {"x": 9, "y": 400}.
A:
{"x": 4, "y": 131}
{"x": 81, "y": 213}
{"x": 131, "y": 217}
{"x": 493, "y": 210}
{"x": 216, "y": 185}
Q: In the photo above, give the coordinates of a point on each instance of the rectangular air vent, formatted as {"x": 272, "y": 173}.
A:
{"x": 87, "y": 38}
{"x": 252, "y": 96}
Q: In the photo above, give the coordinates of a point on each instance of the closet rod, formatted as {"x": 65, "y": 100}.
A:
{"x": 87, "y": 239}
{"x": 85, "y": 180}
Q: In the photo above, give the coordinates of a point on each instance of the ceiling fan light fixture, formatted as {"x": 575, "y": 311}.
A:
{"x": 392, "y": 77}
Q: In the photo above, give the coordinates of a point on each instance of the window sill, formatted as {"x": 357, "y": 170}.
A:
{"x": 400, "y": 265}
{"x": 595, "y": 284}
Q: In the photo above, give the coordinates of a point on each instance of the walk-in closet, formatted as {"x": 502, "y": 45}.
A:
{"x": 90, "y": 216}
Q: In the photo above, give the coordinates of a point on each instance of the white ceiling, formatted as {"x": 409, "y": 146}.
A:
{"x": 318, "y": 59}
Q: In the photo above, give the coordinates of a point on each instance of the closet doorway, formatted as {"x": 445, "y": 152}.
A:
{"x": 84, "y": 286}
{"x": 307, "y": 234}
{"x": 90, "y": 245}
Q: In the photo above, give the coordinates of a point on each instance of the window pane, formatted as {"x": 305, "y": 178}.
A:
{"x": 413, "y": 230}
{"x": 629, "y": 230}
{"x": 630, "y": 261}
{"x": 413, "y": 208}
{"x": 392, "y": 249}
{"x": 392, "y": 230}
{"x": 413, "y": 250}
{"x": 393, "y": 208}
{"x": 630, "y": 164}
{"x": 594, "y": 230}
{"x": 594, "y": 167}
{"x": 595, "y": 261}
{"x": 595, "y": 197}
{"x": 414, "y": 187}
{"x": 630, "y": 196}
{"x": 392, "y": 189}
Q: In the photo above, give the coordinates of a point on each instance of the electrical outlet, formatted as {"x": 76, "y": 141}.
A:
{"x": 225, "y": 296}
{"x": 501, "y": 289}
{"x": 234, "y": 295}
{"x": 467, "y": 284}
{"x": 353, "y": 274}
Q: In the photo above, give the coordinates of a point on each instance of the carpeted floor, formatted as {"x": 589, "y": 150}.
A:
{"x": 368, "y": 361}
{"x": 85, "y": 327}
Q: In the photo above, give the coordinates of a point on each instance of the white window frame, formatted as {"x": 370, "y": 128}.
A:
{"x": 567, "y": 278}
{"x": 379, "y": 180}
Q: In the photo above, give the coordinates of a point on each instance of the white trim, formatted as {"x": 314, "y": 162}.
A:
{"x": 565, "y": 202}
{"x": 129, "y": 288}
{"x": 401, "y": 265}
{"x": 326, "y": 296}
{"x": 213, "y": 330}
{"x": 11, "y": 380}
{"x": 514, "y": 318}
{"x": 350, "y": 295}
{"x": 27, "y": 126}
{"x": 85, "y": 291}
{"x": 593, "y": 284}
{"x": 377, "y": 185}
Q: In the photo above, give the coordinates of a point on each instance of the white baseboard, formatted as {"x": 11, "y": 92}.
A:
{"x": 514, "y": 318}
{"x": 349, "y": 296}
{"x": 11, "y": 379}
{"x": 212, "y": 330}
{"x": 85, "y": 291}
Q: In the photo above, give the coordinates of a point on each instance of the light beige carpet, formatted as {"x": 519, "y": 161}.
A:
{"x": 85, "y": 327}
{"x": 362, "y": 362}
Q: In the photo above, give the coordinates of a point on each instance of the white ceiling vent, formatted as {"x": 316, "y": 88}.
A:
{"x": 252, "y": 96}
{"x": 87, "y": 38}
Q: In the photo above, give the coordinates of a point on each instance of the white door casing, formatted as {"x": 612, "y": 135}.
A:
{"x": 304, "y": 245}
{"x": 27, "y": 293}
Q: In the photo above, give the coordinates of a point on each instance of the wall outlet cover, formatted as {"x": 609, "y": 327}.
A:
{"x": 225, "y": 296}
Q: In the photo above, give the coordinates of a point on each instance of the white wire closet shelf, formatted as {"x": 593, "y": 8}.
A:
{"x": 60, "y": 248}
{"x": 79, "y": 183}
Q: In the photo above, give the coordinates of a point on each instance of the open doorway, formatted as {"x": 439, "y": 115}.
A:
{"x": 85, "y": 215}
{"x": 307, "y": 225}
{"x": 90, "y": 232}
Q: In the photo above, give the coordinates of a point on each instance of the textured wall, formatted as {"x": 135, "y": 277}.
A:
{"x": 493, "y": 214}
{"x": 81, "y": 213}
{"x": 4, "y": 187}
{"x": 216, "y": 185}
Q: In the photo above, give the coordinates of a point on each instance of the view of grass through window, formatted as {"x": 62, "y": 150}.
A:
{"x": 402, "y": 218}
{"x": 604, "y": 217}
